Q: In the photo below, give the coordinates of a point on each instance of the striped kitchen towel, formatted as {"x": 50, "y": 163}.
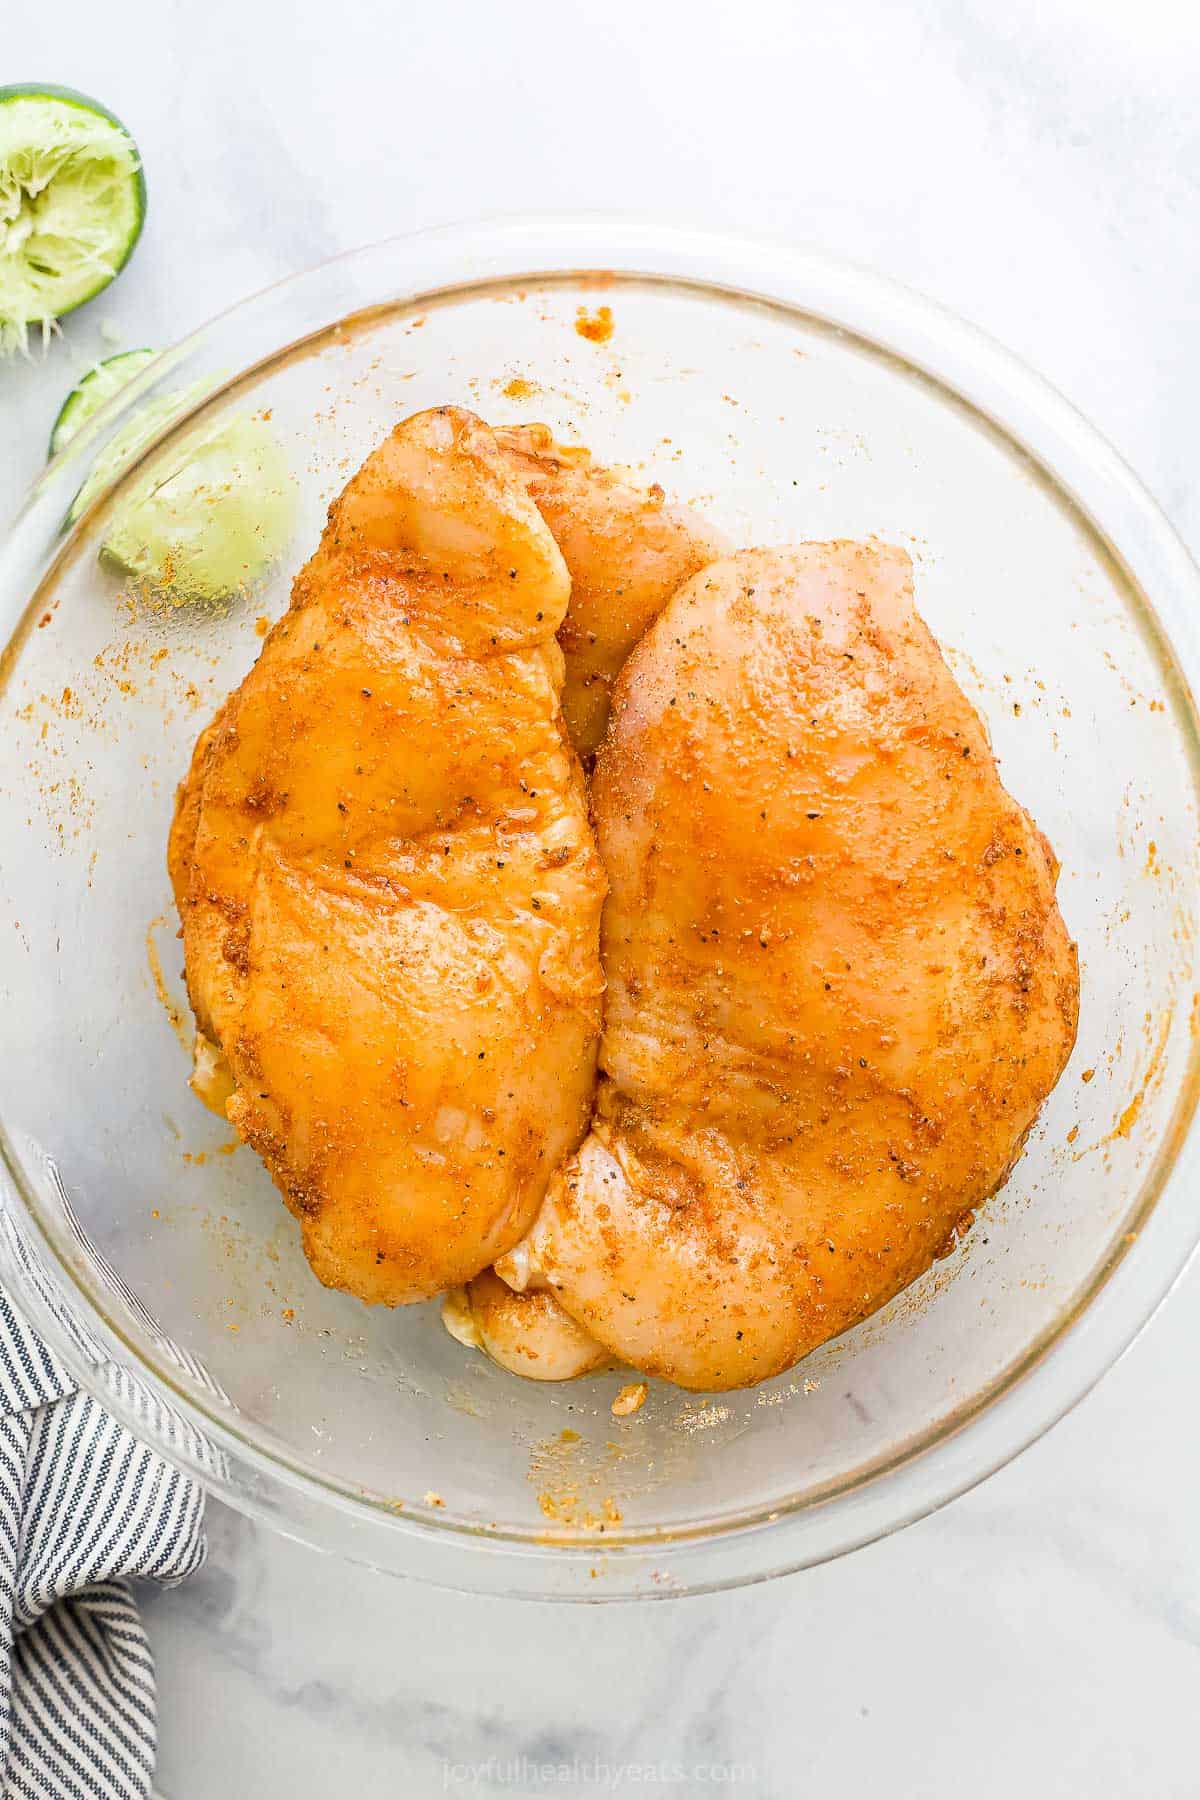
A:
{"x": 84, "y": 1510}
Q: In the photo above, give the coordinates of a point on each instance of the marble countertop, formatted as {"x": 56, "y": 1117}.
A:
{"x": 1035, "y": 167}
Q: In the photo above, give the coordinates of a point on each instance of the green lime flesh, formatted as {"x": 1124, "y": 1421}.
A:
{"x": 210, "y": 517}
{"x": 72, "y": 205}
{"x": 91, "y": 393}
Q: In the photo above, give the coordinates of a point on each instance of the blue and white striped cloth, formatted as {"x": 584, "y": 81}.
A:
{"x": 85, "y": 1509}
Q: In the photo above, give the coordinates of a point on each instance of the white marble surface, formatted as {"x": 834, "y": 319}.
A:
{"x": 1036, "y": 166}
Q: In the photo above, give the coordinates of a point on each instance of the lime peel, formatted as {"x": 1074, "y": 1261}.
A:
{"x": 94, "y": 390}
{"x": 126, "y": 444}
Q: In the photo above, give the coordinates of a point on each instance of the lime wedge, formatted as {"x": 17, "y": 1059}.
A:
{"x": 212, "y": 518}
{"x": 89, "y": 395}
{"x": 72, "y": 202}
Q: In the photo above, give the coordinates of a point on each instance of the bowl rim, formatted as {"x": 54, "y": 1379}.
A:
{"x": 1101, "y": 1320}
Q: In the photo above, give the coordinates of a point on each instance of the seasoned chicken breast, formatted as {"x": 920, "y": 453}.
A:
{"x": 388, "y": 886}
{"x": 839, "y": 986}
{"x": 627, "y": 551}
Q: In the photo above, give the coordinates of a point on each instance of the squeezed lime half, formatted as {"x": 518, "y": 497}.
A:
{"x": 215, "y": 512}
{"x": 72, "y": 204}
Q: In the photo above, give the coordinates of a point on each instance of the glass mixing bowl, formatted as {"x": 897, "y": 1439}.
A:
{"x": 791, "y": 398}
